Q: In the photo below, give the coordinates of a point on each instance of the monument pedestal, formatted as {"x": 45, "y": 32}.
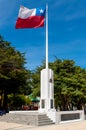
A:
{"x": 47, "y": 91}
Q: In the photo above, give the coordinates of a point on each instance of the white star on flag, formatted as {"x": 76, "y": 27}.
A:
{"x": 41, "y": 10}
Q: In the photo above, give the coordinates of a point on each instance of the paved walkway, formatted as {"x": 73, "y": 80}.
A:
{"x": 14, "y": 126}
{"x": 80, "y": 125}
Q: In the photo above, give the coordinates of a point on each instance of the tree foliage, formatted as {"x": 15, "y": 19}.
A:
{"x": 16, "y": 101}
{"x": 69, "y": 84}
{"x": 69, "y": 79}
{"x": 13, "y": 75}
{"x": 36, "y": 81}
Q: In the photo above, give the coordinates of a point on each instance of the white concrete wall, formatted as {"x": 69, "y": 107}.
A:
{"x": 56, "y": 116}
{"x": 52, "y": 115}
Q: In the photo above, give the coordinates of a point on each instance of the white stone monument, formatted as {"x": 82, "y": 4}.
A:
{"x": 47, "y": 91}
{"x": 47, "y": 81}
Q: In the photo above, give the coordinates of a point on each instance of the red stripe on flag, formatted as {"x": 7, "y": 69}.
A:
{"x": 30, "y": 22}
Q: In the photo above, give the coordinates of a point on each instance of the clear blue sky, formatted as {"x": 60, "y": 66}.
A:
{"x": 67, "y": 31}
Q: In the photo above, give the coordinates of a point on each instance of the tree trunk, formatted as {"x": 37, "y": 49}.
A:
{"x": 65, "y": 103}
{"x": 5, "y": 102}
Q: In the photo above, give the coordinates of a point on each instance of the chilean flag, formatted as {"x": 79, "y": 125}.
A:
{"x": 30, "y": 18}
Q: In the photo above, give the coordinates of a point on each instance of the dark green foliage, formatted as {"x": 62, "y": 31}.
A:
{"x": 13, "y": 75}
{"x": 69, "y": 84}
{"x": 16, "y": 101}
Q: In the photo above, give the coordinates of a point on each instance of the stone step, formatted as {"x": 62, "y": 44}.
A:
{"x": 29, "y": 119}
{"x": 41, "y": 124}
{"x": 44, "y": 120}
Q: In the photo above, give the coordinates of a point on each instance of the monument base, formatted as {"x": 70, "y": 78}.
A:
{"x": 47, "y": 90}
{"x": 47, "y": 94}
{"x": 51, "y": 113}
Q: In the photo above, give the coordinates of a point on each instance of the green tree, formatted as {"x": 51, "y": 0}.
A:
{"x": 36, "y": 81}
{"x": 69, "y": 83}
{"x": 16, "y": 101}
{"x": 13, "y": 75}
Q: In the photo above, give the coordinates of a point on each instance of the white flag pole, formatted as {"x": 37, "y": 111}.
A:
{"x": 47, "y": 36}
{"x": 47, "y": 76}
